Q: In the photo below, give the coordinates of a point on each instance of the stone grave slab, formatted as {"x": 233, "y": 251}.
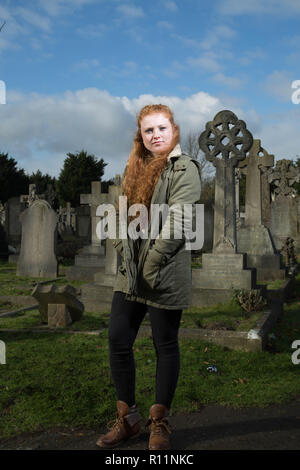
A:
{"x": 58, "y": 305}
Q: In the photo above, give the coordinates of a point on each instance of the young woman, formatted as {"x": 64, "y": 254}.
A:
{"x": 154, "y": 277}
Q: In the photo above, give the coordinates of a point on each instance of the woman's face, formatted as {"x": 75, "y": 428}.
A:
{"x": 157, "y": 133}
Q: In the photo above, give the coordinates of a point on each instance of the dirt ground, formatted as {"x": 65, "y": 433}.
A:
{"x": 211, "y": 428}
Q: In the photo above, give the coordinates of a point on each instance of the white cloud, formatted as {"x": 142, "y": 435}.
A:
{"x": 39, "y": 130}
{"x": 279, "y": 135}
{"x": 232, "y": 82}
{"x": 271, "y": 7}
{"x": 59, "y": 7}
{"x": 216, "y": 36}
{"x": 207, "y": 62}
{"x": 171, "y": 6}
{"x": 33, "y": 18}
{"x": 130, "y": 11}
{"x": 278, "y": 84}
{"x": 164, "y": 25}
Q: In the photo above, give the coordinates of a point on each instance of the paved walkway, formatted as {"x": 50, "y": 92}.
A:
{"x": 211, "y": 428}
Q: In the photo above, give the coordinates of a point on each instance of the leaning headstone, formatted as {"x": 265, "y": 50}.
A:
{"x": 58, "y": 305}
{"x": 285, "y": 220}
{"x": 37, "y": 255}
{"x": 254, "y": 237}
{"x": 91, "y": 258}
{"x": 224, "y": 268}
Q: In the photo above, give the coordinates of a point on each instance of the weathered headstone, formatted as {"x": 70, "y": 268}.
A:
{"x": 224, "y": 268}
{"x": 285, "y": 221}
{"x": 91, "y": 258}
{"x": 12, "y": 222}
{"x": 83, "y": 224}
{"x": 3, "y": 236}
{"x": 254, "y": 237}
{"x": 98, "y": 294}
{"x": 37, "y": 255}
{"x": 58, "y": 305}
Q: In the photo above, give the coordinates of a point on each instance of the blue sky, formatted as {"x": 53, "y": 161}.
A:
{"x": 77, "y": 71}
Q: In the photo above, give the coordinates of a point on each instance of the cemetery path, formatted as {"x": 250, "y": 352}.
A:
{"x": 275, "y": 427}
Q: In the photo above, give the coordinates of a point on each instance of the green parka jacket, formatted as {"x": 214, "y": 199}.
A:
{"x": 158, "y": 273}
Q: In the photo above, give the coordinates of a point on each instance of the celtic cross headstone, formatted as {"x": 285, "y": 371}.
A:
{"x": 284, "y": 175}
{"x": 285, "y": 216}
{"x": 224, "y": 268}
{"x": 228, "y": 136}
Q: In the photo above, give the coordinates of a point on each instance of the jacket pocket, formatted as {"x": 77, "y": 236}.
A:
{"x": 165, "y": 280}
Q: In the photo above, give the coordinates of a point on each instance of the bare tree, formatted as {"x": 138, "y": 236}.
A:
{"x": 191, "y": 147}
{"x": 2, "y": 26}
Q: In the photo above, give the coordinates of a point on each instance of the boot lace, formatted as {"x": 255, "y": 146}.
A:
{"x": 159, "y": 426}
{"x": 115, "y": 423}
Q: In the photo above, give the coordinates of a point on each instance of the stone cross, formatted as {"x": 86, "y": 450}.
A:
{"x": 32, "y": 196}
{"x": 228, "y": 136}
{"x": 257, "y": 194}
{"x": 284, "y": 176}
{"x": 94, "y": 199}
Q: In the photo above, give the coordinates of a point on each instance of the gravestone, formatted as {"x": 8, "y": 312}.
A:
{"x": 65, "y": 227}
{"x": 37, "y": 255}
{"x": 91, "y": 258}
{"x": 254, "y": 237}
{"x": 83, "y": 224}
{"x": 28, "y": 199}
{"x": 98, "y": 294}
{"x": 224, "y": 268}
{"x": 285, "y": 220}
{"x": 13, "y": 226}
{"x": 58, "y": 305}
{"x": 3, "y": 236}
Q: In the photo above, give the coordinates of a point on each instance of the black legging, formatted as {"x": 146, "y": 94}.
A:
{"x": 125, "y": 320}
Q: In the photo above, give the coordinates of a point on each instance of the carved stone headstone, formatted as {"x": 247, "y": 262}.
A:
{"x": 253, "y": 237}
{"x": 91, "y": 258}
{"x": 224, "y": 268}
{"x": 97, "y": 295}
{"x": 284, "y": 209}
{"x": 37, "y": 255}
{"x": 3, "y": 236}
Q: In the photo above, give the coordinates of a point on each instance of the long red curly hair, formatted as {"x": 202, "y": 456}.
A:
{"x": 143, "y": 169}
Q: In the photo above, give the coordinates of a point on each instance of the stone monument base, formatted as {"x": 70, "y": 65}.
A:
{"x": 88, "y": 262}
{"x": 96, "y": 298}
{"x": 223, "y": 272}
{"x": 257, "y": 242}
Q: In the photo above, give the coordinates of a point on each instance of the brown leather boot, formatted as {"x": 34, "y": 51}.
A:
{"x": 126, "y": 426}
{"x": 159, "y": 428}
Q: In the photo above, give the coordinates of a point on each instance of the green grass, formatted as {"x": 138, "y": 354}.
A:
{"x": 220, "y": 316}
{"x": 10, "y": 284}
{"x": 62, "y": 379}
